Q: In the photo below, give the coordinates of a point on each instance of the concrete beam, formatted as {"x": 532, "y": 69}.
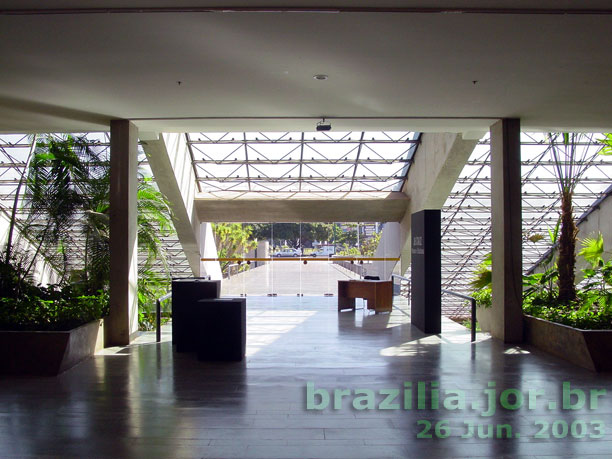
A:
{"x": 438, "y": 161}
{"x": 122, "y": 321}
{"x": 170, "y": 162}
{"x": 389, "y": 209}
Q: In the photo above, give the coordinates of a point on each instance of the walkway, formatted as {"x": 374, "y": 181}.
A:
{"x": 288, "y": 277}
{"x": 145, "y": 401}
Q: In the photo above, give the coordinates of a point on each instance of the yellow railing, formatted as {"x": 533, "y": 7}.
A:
{"x": 304, "y": 258}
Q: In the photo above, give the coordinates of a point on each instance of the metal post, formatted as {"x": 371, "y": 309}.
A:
{"x": 473, "y": 320}
{"x": 158, "y": 320}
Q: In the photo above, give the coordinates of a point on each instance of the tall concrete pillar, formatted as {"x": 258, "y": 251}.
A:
{"x": 122, "y": 321}
{"x": 506, "y": 316}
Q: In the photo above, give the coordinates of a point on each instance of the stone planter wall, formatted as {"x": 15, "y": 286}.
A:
{"x": 589, "y": 349}
{"x": 48, "y": 353}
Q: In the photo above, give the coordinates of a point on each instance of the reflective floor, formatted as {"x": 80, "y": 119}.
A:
{"x": 146, "y": 401}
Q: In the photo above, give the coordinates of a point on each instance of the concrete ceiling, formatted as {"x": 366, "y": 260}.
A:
{"x": 405, "y": 70}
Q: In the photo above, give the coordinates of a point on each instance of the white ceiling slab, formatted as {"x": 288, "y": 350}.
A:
{"x": 254, "y": 71}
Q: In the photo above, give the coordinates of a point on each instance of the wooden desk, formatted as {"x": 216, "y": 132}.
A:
{"x": 378, "y": 294}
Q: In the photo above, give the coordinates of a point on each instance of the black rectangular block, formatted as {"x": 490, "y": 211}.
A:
{"x": 221, "y": 325}
{"x": 426, "y": 272}
{"x": 185, "y": 296}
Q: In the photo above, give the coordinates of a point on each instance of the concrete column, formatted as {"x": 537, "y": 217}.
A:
{"x": 122, "y": 321}
{"x": 506, "y": 315}
{"x": 388, "y": 247}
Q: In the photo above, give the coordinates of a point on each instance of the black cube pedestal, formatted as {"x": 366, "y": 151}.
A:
{"x": 221, "y": 325}
{"x": 185, "y": 296}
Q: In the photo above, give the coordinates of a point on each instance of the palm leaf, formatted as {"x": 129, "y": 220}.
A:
{"x": 606, "y": 149}
{"x": 593, "y": 249}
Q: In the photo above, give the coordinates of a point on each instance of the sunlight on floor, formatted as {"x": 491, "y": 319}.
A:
{"x": 516, "y": 350}
{"x": 265, "y": 327}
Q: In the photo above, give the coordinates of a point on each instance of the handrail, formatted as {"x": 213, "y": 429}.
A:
{"x": 473, "y": 318}
{"x": 400, "y": 277}
{"x": 459, "y": 295}
{"x": 158, "y": 303}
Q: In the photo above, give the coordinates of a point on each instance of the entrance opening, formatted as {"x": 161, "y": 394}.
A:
{"x": 294, "y": 259}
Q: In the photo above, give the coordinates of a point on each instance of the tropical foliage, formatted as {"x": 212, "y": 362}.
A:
{"x": 481, "y": 283}
{"x": 233, "y": 240}
{"x": 66, "y": 205}
{"x": 304, "y": 234}
{"x": 570, "y": 161}
{"x": 592, "y": 308}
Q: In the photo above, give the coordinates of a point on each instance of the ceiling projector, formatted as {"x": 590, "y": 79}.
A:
{"x": 323, "y": 126}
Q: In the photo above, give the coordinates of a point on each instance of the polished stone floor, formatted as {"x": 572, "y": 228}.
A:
{"x": 146, "y": 401}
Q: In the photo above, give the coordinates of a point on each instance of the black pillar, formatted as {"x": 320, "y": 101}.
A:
{"x": 426, "y": 271}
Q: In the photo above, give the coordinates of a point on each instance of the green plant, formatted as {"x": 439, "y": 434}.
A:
{"x": 541, "y": 285}
{"x": 67, "y": 194}
{"x": 151, "y": 286}
{"x": 569, "y": 165}
{"x": 369, "y": 246}
{"x": 467, "y": 323}
{"x": 233, "y": 240}
{"x": 587, "y": 318}
{"x": 51, "y": 308}
{"x": 483, "y": 297}
{"x": 347, "y": 251}
{"x": 481, "y": 283}
{"x": 606, "y": 149}
{"x": 63, "y": 181}
{"x": 592, "y": 307}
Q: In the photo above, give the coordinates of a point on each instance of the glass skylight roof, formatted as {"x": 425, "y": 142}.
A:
{"x": 287, "y": 163}
{"x": 466, "y": 215}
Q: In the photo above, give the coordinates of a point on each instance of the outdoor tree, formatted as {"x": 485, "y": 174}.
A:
{"x": 369, "y": 245}
{"x": 233, "y": 240}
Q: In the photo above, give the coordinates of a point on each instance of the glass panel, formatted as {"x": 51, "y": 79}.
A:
{"x": 300, "y": 258}
{"x": 301, "y": 162}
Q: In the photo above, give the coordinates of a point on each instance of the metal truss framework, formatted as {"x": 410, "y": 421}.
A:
{"x": 282, "y": 165}
{"x": 14, "y": 153}
{"x": 466, "y": 215}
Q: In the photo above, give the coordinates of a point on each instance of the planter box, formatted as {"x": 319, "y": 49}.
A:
{"x": 589, "y": 349}
{"x": 48, "y": 353}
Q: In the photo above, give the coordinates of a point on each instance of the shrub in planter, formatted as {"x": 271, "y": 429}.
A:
{"x": 52, "y": 309}
{"x": 47, "y": 330}
{"x": 592, "y": 307}
{"x": 579, "y": 331}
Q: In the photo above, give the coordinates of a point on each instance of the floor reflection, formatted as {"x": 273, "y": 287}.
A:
{"x": 147, "y": 401}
